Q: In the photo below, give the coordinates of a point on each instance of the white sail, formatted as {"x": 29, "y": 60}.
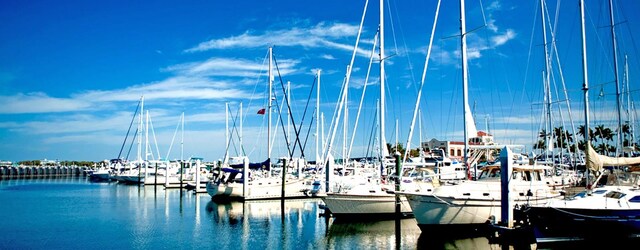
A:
{"x": 470, "y": 125}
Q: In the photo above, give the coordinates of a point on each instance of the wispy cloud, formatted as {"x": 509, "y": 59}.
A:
{"x": 39, "y": 102}
{"x": 321, "y": 35}
{"x": 492, "y": 7}
{"x": 219, "y": 67}
{"x": 503, "y": 38}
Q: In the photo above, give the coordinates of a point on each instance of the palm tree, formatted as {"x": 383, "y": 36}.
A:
{"x": 608, "y": 135}
{"x": 539, "y": 145}
{"x": 563, "y": 137}
{"x": 599, "y": 132}
{"x": 582, "y": 133}
{"x": 626, "y": 133}
{"x": 542, "y": 143}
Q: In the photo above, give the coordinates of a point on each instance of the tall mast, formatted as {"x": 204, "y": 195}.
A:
{"x": 240, "y": 132}
{"x": 615, "y": 72}
{"x": 226, "y": 132}
{"x": 382, "y": 94}
{"x": 182, "y": 138}
{"x": 420, "y": 132}
{"x": 629, "y": 103}
{"x": 345, "y": 157}
{"x": 318, "y": 160}
{"x": 547, "y": 80}
{"x": 465, "y": 96}
{"x": 146, "y": 146}
{"x": 140, "y": 128}
{"x": 269, "y": 105}
{"x": 288, "y": 113}
{"x": 585, "y": 87}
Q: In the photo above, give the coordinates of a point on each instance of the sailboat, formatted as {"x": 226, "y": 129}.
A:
{"x": 133, "y": 171}
{"x": 470, "y": 206}
{"x": 612, "y": 210}
{"x": 364, "y": 195}
{"x": 238, "y": 179}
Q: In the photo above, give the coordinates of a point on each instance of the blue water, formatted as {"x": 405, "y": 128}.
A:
{"x": 73, "y": 213}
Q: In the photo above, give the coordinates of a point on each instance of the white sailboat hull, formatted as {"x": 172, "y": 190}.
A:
{"x": 348, "y": 205}
{"x": 268, "y": 188}
{"x": 471, "y": 203}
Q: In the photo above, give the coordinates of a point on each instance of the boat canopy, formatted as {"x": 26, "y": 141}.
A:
{"x": 265, "y": 165}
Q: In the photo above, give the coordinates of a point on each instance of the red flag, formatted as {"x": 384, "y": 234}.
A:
{"x": 261, "y": 112}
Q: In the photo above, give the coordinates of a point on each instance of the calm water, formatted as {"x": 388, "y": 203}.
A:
{"x": 73, "y": 213}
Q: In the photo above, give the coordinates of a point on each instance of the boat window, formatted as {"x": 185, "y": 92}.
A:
{"x": 514, "y": 176}
{"x": 537, "y": 176}
{"x": 599, "y": 191}
{"x": 580, "y": 195}
{"x": 635, "y": 199}
{"x": 614, "y": 194}
{"x": 527, "y": 176}
{"x": 495, "y": 173}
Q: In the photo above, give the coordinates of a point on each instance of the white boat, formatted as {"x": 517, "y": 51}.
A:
{"x": 475, "y": 204}
{"x": 611, "y": 211}
{"x": 366, "y": 200}
{"x": 101, "y": 174}
{"x": 230, "y": 183}
{"x": 232, "y": 186}
{"x": 105, "y": 173}
{"x": 130, "y": 176}
{"x": 442, "y": 165}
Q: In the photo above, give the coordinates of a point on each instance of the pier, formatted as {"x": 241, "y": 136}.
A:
{"x": 28, "y": 172}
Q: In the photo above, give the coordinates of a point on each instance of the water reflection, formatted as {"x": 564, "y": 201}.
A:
{"x": 390, "y": 234}
{"x": 286, "y": 225}
{"x": 67, "y": 213}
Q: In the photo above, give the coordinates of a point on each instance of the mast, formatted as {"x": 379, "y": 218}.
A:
{"x": 345, "y": 157}
{"x": 269, "y": 105}
{"x": 226, "y": 132}
{"x": 146, "y": 146}
{"x": 288, "y": 113}
{"x": 465, "y": 96}
{"x": 382, "y": 93}
{"x": 182, "y": 139}
{"x": 318, "y": 160}
{"x": 140, "y": 128}
{"x": 419, "y": 133}
{"x": 615, "y": 72}
{"x": 585, "y": 87}
{"x": 629, "y": 103}
{"x": 547, "y": 83}
{"x": 240, "y": 132}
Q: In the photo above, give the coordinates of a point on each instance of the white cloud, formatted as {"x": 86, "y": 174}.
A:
{"x": 491, "y": 25}
{"x": 219, "y": 67}
{"x": 39, "y": 102}
{"x": 493, "y": 6}
{"x": 327, "y": 56}
{"x": 503, "y": 38}
{"x": 321, "y": 35}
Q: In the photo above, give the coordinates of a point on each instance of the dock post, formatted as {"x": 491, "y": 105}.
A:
{"x": 284, "y": 175}
{"x": 181, "y": 170}
{"x": 197, "y": 177}
{"x": 245, "y": 176}
{"x": 327, "y": 175}
{"x": 506, "y": 211}
{"x": 155, "y": 179}
{"x": 398, "y": 175}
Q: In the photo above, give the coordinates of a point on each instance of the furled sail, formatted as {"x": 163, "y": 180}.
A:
{"x": 596, "y": 162}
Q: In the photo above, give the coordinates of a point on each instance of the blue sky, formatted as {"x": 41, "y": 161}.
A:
{"x": 72, "y": 72}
